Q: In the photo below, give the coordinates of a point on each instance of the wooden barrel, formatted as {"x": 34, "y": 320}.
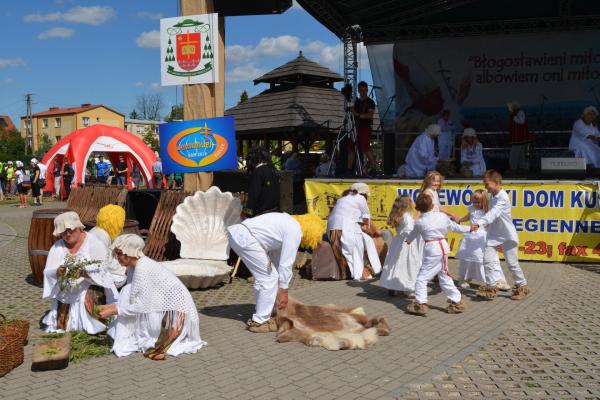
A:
{"x": 41, "y": 240}
{"x": 131, "y": 226}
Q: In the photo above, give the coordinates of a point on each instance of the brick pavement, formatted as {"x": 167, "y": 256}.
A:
{"x": 537, "y": 348}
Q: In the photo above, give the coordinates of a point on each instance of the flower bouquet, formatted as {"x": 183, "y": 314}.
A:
{"x": 74, "y": 266}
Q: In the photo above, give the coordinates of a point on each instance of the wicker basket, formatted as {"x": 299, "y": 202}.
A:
{"x": 11, "y": 354}
{"x": 16, "y": 328}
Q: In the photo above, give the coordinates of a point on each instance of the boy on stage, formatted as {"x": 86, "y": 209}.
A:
{"x": 500, "y": 232}
{"x": 433, "y": 226}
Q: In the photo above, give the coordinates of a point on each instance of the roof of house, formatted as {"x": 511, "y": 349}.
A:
{"x": 300, "y": 66}
{"x": 282, "y": 110}
{"x": 6, "y": 123}
{"x": 142, "y": 121}
{"x": 71, "y": 110}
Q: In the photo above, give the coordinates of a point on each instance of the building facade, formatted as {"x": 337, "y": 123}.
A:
{"x": 59, "y": 122}
{"x": 139, "y": 127}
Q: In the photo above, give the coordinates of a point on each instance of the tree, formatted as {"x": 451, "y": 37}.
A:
{"x": 12, "y": 145}
{"x": 151, "y": 139}
{"x": 150, "y": 106}
{"x": 134, "y": 114}
{"x": 44, "y": 145}
{"x": 243, "y": 97}
{"x": 176, "y": 113}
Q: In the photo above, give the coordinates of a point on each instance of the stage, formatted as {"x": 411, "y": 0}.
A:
{"x": 557, "y": 220}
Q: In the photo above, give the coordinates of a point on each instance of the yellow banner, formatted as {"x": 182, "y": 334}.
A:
{"x": 555, "y": 221}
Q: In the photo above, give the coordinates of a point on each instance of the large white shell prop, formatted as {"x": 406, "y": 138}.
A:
{"x": 199, "y": 274}
{"x": 200, "y": 221}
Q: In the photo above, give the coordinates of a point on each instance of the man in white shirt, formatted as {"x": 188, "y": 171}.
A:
{"x": 446, "y": 139}
{"x": 421, "y": 156}
{"x": 500, "y": 232}
{"x": 267, "y": 244}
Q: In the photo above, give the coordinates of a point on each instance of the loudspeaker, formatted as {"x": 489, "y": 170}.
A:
{"x": 563, "y": 166}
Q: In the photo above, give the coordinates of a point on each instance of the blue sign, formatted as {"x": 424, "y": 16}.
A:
{"x": 200, "y": 145}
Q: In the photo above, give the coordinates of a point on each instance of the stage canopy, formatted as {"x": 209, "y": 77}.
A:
{"x": 386, "y": 21}
{"x": 79, "y": 145}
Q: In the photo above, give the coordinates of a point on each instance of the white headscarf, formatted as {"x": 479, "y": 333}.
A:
{"x": 131, "y": 245}
{"x": 434, "y": 130}
{"x": 68, "y": 220}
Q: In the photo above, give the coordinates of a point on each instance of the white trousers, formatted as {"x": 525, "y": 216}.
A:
{"x": 511, "y": 255}
{"x": 354, "y": 243}
{"x": 57, "y": 186}
{"x": 435, "y": 262}
{"x": 266, "y": 277}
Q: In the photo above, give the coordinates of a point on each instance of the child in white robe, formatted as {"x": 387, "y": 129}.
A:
{"x": 585, "y": 137}
{"x": 472, "y": 247}
{"x": 433, "y": 226}
{"x": 403, "y": 260}
{"x": 500, "y": 232}
{"x": 432, "y": 184}
{"x": 471, "y": 153}
{"x": 267, "y": 244}
{"x": 156, "y": 314}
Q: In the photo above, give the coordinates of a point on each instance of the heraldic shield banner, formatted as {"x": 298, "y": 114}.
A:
{"x": 189, "y": 49}
{"x": 200, "y": 145}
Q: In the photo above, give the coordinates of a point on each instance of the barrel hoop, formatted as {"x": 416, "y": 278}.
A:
{"x": 38, "y": 252}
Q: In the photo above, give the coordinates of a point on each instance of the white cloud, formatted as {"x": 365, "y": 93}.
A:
{"x": 271, "y": 47}
{"x": 6, "y": 81}
{"x": 331, "y": 56}
{"x": 93, "y": 15}
{"x": 11, "y": 62}
{"x": 61, "y": 33}
{"x": 296, "y": 6}
{"x": 150, "y": 85}
{"x": 149, "y": 40}
{"x": 246, "y": 72}
{"x": 149, "y": 15}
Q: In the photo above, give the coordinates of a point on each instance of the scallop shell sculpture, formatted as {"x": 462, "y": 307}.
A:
{"x": 200, "y": 224}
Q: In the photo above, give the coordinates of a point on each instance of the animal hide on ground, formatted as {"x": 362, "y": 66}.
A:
{"x": 329, "y": 326}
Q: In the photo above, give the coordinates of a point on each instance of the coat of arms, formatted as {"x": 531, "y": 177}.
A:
{"x": 187, "y": 50}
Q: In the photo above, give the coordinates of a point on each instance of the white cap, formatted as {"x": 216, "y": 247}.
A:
{"x": 34, "y": 160}
{"x": 131, "y": 245}
{"x": 68, "y": 220}
{"x": 361, "y": 188}
{"x": 10, "y": 162}
{"x": 469, "y": 132}
{"x": 590, "y": 109}
{"x": 19, "y": 163}
{"x": 433, "y": 130}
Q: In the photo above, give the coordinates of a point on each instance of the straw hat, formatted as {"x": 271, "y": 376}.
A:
{"x": 68, "y": 220}
{"x": 590, "y": 109}
{"x": 469, "y": 132}
{"x": 361, "y": 188}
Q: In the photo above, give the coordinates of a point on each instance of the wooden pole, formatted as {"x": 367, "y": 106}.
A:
{"x": 204, "y": 100}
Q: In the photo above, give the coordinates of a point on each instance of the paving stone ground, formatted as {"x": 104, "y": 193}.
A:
{"x": 546, "y": 346}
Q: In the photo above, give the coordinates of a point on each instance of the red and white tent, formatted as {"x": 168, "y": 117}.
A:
{"x": 79, "y": 145}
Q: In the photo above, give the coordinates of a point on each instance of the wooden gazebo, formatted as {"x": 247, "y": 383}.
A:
{"x": 300, "y": 106}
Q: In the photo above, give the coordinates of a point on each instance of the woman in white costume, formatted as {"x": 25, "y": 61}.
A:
{"x": 110, "y": 221}
{"x": 267, "y": 244}
{"x": 155, "y": 313}
{"x": 350, "y": 233}
{"x": 585, "y": 137}
{"x": 421, "y": 156}
{"x": 403, "y": 260}
{"x": 471, "y": 153}
{"x": 73, "y": 305}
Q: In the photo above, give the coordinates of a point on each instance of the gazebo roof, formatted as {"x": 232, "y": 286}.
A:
{"x": 288, "y": 110}
{"x": 301, "y": 67}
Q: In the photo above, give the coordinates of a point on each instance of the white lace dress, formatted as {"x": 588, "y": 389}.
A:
{"x": 153, "y": 302}
{"x": 403, "y": 260}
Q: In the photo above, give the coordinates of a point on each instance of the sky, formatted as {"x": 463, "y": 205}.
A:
{"x": 68, "y": 52}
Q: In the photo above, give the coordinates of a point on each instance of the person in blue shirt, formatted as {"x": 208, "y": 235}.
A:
{"x": 102, "y": 170}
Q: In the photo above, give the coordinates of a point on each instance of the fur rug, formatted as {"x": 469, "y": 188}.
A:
{"x": 329, "y": 326}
